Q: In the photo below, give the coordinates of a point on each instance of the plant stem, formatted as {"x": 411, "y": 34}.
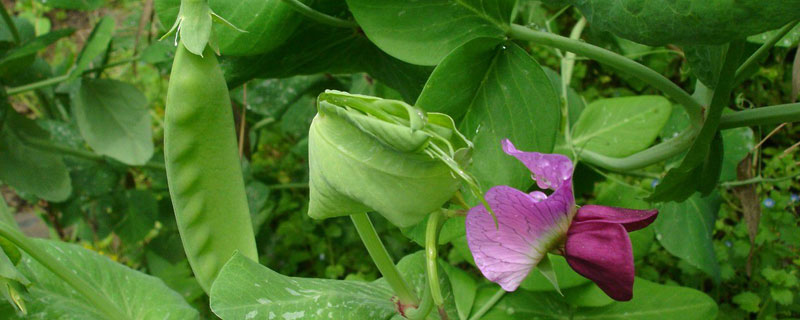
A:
{"x": 764, "y": 49}
{"x": 36, "y": 85}
{"x": 755, "y": 180}
{"x": 616, "y": 61}
{"x": 49, "y": 146}
{"x": 10, "y": 24}
{"x": 488, "y": 305}
{"x": 431, "y": 256}
{"x": 320, "y": 17}
{"x": 58, "y": 79}
{"x": 567, "y": 67}
{"x": 291, "y": 185}
{"x": 92, "y": 294}
{"x": 761, "y": 116}
{"x": 382, "y": 259}
{"x": 641, "y": 159}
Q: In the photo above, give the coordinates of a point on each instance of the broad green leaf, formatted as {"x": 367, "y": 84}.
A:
{"x": 84, "y": 5}
{"x": 112, "y": 116}
{"x": 619, "y": 127}
{"x": 587, "y": 295}
{"x": 246, "y": 290}
{"x": 425, "y": 32}
{"x": 46, "y": 177}
{"x": 705, "y": 62}
{"x": 464, "y": 289}
{"x": 685, "y": 229}
{"x": 141, "y": 212}
{"x": 567, "y": 278}
{"x": 96, "y": 44}
{"x": 737, "y": 143}
{"x": 138, "y": 295}
{"x": 267, "y": 23}
{"x": 504, "y": 93}
{"x": 315, "y": 48}
{"x": 659, "y": 22}
{"x": 652, "y": 301}
{"x": 522, "y": 304}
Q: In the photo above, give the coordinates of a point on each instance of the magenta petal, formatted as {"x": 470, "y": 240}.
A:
{"x": 601, "y": 251}
{"x": 527, "y": 229}
{"x": 631, "y": 219}
{"x": 549, "y": 170}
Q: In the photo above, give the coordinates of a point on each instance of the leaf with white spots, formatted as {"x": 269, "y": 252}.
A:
{"x": 137, "y": 295}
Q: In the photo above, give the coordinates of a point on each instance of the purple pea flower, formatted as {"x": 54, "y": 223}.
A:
{"x": 593, "y": 238}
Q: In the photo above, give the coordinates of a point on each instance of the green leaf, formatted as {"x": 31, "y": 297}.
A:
{"x": 84, "y": 5}
{"x": 425, "y": 32}
{"x": 653, "y": 301}
{"x": 464, "y": 289}
{"x": 112, "y": 116}
{"x": 96, "y": 44}
{"x": 314, "y": 48}
{"x": 29, "y": 48}
{"x": 706, "y": 62}
{"x": 619, "y": 127}
{"x": 138, "y": 295}
{"x": 659, "y": 22}
{"x": 266, "y": 24}
{"x": 545, "y": 267}
{"x": 567, "y": 278}
{"x": 504, "y": 93}
{"x": 782, "y": 296}
{"x": 141, "y": 211}
{"x": 747, "y": 301}
{"x": 685, "y": 229}
{"x": 47, "y": 177}
{"x": 587, "y": 295}
{"x": 246, "y": 290}
{"x": 737, "y": 144}
{"x": 522, "y": 304}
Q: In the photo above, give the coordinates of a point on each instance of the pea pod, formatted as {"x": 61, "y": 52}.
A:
{"x": 203, "y": 168}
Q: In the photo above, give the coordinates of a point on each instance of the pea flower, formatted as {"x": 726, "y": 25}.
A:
{"x": 592, "y": 238}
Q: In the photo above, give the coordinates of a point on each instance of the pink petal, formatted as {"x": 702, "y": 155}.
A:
{"x": 527, "y": 229}
{"x": 601, "y": 251}
{"x": 631, "y": 219}
{"x": 549, "y": 170}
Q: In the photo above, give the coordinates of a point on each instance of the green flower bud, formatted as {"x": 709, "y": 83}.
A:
{"x": 372, "y": 154}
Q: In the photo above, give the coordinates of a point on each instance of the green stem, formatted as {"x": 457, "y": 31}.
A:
{"x": 38, "y": 84}
{"x": 58, "y": 79}
{"x": 755, "y": 180}
{"x": 382, "y": 259}
{"x": 763, "y": 50}
{"x": 320, "y": 17}
{"x": 616, "y": 61}
{"x": 49, "y": 146}
{"x": 92, "y": 294}
{"x": 761, "y": 116}
{"x": 431, "y": 256}
{"x": 488, "y": 305}
{"x": 567, "y": 67}
{"x": 641, "y": 159}
{"x": 425, "y": 306}
{"x": 10, "y": 24}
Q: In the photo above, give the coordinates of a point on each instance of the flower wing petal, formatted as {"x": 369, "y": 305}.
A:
{"x": 525, "y": 232}
{"x": 631, "y": 219}
{"x": 550, "y": 171}
{"x": 602, "y": 252}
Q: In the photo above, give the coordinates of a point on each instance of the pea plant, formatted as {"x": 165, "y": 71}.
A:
{"x": 518, "y": 195}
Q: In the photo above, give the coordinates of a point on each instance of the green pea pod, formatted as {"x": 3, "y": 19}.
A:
{"x": 370, "y": 154}
{"x": 203, "y": 167}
